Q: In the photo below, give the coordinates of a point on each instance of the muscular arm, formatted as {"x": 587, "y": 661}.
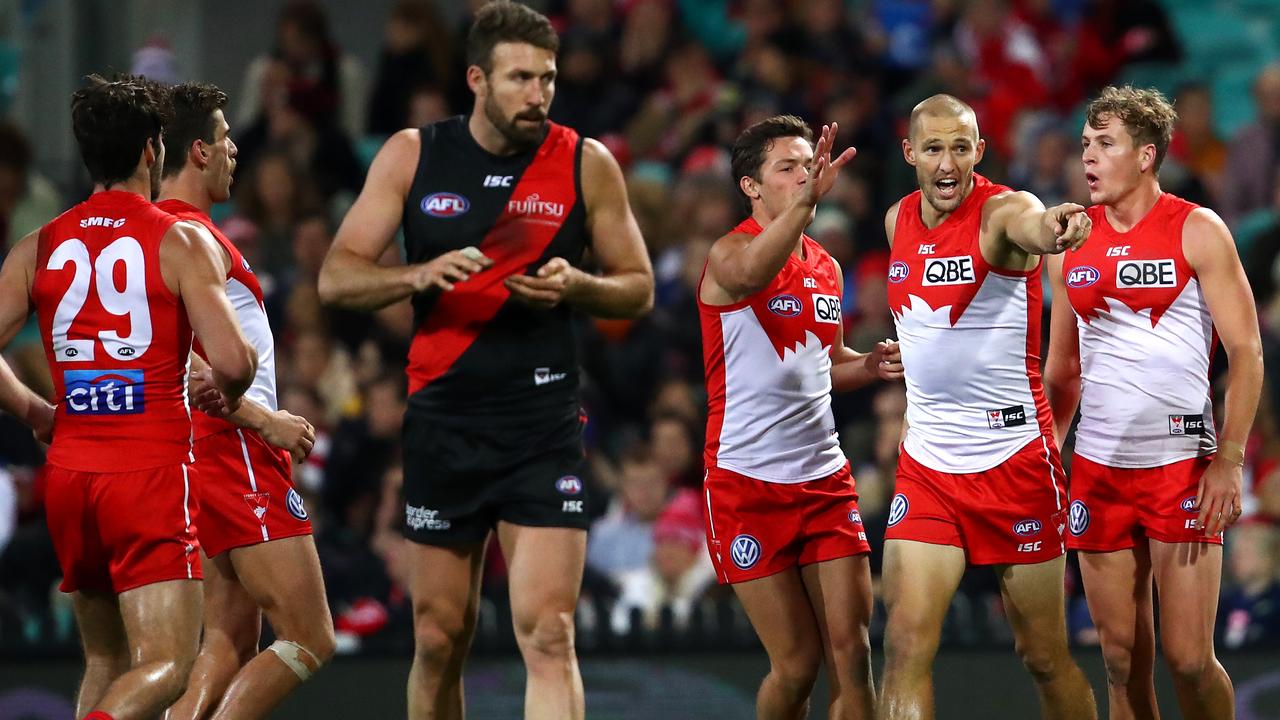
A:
{"x": 1062, "y": 367}
{"x": 191, "y": 256}
{"x": 279, "y": 428}
{"x": 740, "y": 265}
{"x": 625, "y": 289}
{"x": 1016, "y": 226}
{"x": 15, "y": 307}
{"x": 351, "y": 276}
{"x": 851, "y": 369}
{"x": 1209, "y": 249}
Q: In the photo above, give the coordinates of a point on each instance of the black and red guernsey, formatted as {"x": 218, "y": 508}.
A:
{"x": 477, "y": 350}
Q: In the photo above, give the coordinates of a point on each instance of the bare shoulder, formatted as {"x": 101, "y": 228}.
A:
{"x": 187, "y": 240}
{"x": 598, "y": 164}
{"x": 1204, "y": 235}
{"x": 891, "y": 220}
{"x": 1010, "y": 201}
{"x": 397, "y": 160}
{"x": 22, "y": 257}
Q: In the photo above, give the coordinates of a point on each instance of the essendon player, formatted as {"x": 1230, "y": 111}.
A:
{"x": 253, "y": 526}
{"x": 498, "y": 208}
{"x": 118, "y": 287}
{"x": 979, "y": 481}
{"x": 1136, "y": 316}
{"x": 782, "y": 514}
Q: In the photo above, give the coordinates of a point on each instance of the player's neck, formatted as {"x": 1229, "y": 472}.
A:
{"x": 138, "y": 185}
{"x": 1129, "y": 209}
{"x": 189, "y": 188}
{"x": 488, "y": 137}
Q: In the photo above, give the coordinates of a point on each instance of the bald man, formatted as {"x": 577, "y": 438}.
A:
{"x": 979, "y": 481}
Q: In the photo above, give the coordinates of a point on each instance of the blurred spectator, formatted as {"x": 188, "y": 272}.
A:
{"x": 1009, "y": 65}
{"x": 647, "y": 32}
{"x": 156, "y": 61}
{"x": 622, "y": 540}
{"x": 1042, "y": 171}
{"x": 1196, "y": 145}
{"x": 587, "y": 93}
{"x": 677, "y": 573}
{"x": 274, "y": 197}
{"x": 1112, "y": 33}
{"x": 417, "y": 52}
{"x": 676, "y": 444}
{"x": 1252, "y": 161}
{"x": 27, "y": 199}
{"x": 1249, "y": 614}
{"x": 308, "y": 66}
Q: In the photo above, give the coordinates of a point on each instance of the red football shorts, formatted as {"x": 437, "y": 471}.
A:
{"x": 246, "y": 492}
{"x": 118, "y": 531}
{"x": 1115, "y": 508}
{"x": 757, "y": 528}
{"x": 1012, "y": 514}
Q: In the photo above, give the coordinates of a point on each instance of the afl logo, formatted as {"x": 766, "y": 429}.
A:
{"x": 1078, "y": 518}
{"x": 1083, "y": 277}
{"x": 898, "y": 272}
{"x": 785, "y": 305}
{"x": 745, "y": 552}
{"x": 1028, "y": 527}
{"x": 569, "y": 485}
{"x": 898, "y": 509}
{"x": 295, "y": 506}
{"x": 855, "y": 517}
{"x": 445, "y": 205}
{"x": 1189, "y": 505}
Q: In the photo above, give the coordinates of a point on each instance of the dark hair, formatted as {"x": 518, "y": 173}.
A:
{"x": 756, "y": 141}
{"x": 193, "y": 108}
{"x": 505, "y": 21}
{"x": 1146, "y": 114}
{"x": 114, "y": 119}
{"x": 15, "y": 149}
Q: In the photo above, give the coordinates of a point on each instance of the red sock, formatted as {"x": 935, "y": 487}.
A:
{"x": 98, "y": 715}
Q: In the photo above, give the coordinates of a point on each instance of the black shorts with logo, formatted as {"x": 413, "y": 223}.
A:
{"x": 463, "y": 475}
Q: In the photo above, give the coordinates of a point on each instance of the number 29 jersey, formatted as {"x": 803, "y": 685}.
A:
{"x": 117, "y": 339}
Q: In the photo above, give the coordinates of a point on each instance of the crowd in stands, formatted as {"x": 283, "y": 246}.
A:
{"x": 666, "y": 85}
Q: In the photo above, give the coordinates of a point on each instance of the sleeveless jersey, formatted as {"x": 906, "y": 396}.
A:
{"x": 116, "y": 338}
{"x": 1146, "y": 339}
{"x": 476, "y": 350}
{"x": 245, "y": 295}
{"x": 768, "y": 369}
{"x": 970, "y": 338}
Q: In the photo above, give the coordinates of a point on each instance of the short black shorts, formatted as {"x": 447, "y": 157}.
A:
{"x": 462, "y": 476}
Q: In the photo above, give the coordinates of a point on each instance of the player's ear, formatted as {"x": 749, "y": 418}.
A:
{"x": 199, "y": 154}
{"x": 908, "y": 152}
{"x": 1147, "y": 157}
{"x": 749, "y": 187}
{"x": 979, "y": 150}
{"x": 477, "y": 79}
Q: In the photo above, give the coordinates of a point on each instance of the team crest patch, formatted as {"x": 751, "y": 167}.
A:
{"x": 898, "y": 509}
{"x": 258, "y": 503}
{"x": 745, "y": 551}
{"x": 1078, "y": 518}
{"x": 294, "y": 505}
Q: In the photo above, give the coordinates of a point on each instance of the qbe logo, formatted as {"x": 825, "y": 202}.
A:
{"x": 745, "y": 552}
{"x": 826, "y": 309}
{"x": 1146, "y": 273}
{"x": 898, "y": 509}
{"x": 1189, "y": 504}
{"x": 569, "y": 485}
{"x": 104, "y": 392}
{"x": 1011, "y": 416}
{"x": 1083, "y": 277}
{"x": 1187, "y": 425}
{"x": 445, "y": 205}
{"x": 1027, "y": 528}
{"x": 949, "y": 271}
{"x": 785, "y": 305}
{"x": 1078, "y": 518}
{"x": 899, "y": 271}
{"x": 293, "y": 503}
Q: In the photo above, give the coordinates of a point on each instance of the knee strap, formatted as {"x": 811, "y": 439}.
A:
{"x": 291, "y": 654}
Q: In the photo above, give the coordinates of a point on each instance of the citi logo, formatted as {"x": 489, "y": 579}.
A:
{"x": 1083, "y": 277}
{"x": 898, "y": 272}
{"x": 1027, "y": 528}
{"x": 785, "y": 305}
{"x": 445, "y": 205}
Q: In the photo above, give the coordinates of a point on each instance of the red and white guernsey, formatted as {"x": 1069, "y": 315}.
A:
{"x": 245, "y": 295}
{"x": 1146, "y": 339}
{"x": 970, "y": 338}
{"x": 768, "y": 367}
{"x": 116, "y": 337}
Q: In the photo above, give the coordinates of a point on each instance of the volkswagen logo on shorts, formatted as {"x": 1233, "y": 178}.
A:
{"x": 294, "y": 504}
{"x": 1083, "y": 277}
{"x": 1027, "y": 527}
{"x": 898, "y": 509}
{"x": 785, "y": 305}
{"x": 1078, "y": 518}
{"x": 569, "y": 485}
{"x": 745, "y": 552}
{"x": 1189, "y": 505}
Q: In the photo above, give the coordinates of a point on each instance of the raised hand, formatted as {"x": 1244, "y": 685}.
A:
{"x": 1070, "y": 225}
{"x": 824, "y": 171}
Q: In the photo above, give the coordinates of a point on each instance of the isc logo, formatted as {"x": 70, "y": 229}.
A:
{"x": 1146, "y": 273}
{"x": 1007, "y": 417}
{"x": 1187, "y": 425}
{"x": 826, "y": 309}
{"x": 1027, "y": 527}
{"x": 1119, "y": 251}
{"x": 948, "y": 271}
{"x": 445, "y": 205}
{"x": 785, "y": 305}
{"x": 1030, "y": 547}
{"x": 1083, "y": 277}
{"x": 104, "y": 392}
{"x": 497, "y": 180}
{"x": 898, "y": 272}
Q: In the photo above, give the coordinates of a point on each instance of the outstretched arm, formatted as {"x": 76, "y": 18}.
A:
{"x": 851, "y": 369}
{"x": 1023, "y": 219}
{"x": 1062, "y": 367}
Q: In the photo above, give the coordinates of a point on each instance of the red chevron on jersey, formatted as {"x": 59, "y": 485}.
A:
{"x": 540, "y": 203}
